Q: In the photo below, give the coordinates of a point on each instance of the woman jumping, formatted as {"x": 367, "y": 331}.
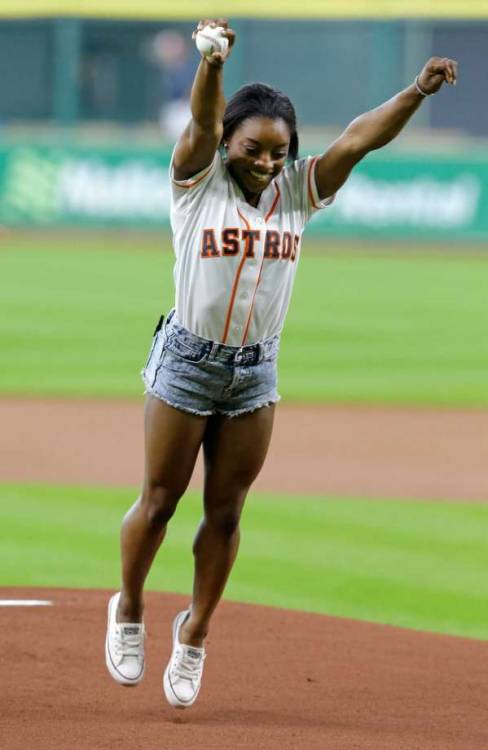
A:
{"x": 241, "y": 198}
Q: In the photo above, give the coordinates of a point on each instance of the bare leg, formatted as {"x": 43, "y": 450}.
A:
{"x": 235, "y": 450}
{"x": 172, "y": 441}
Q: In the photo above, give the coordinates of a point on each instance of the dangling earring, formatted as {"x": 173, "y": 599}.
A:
{"x": 224, "y": 154}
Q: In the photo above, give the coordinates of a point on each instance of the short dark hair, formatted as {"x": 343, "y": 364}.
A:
{"x": 261, "y": 100}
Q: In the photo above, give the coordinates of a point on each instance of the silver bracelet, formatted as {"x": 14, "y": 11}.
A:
{"x": 420, "y": 90}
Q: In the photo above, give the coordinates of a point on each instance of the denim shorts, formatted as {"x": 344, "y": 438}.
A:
{"x": 203, "y": 377}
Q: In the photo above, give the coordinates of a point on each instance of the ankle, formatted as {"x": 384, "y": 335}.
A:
{"x": 129, "y": 611}
{"x": 192, "y": 634}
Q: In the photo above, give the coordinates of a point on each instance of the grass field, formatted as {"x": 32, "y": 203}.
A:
{"x": 419, "y": 565}
{"x": 77, "y": 317}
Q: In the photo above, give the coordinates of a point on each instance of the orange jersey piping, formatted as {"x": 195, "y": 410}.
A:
{"x": 193, "y": 182}
{"x": 273, "y": 206}
{"x": 252, "y": 303}
{"x": 311, "y": 171}
{"x": 235, "y": 284}
{"x": 267, "y": 217}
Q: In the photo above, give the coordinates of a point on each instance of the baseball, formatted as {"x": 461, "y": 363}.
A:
{"x": 210, "y": 39}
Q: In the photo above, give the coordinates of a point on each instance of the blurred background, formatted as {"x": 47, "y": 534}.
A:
{"x": 91, "y": 104}
{"x": 384, "y": 358}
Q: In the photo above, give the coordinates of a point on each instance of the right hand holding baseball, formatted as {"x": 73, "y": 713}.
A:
{"x": 217, "y": 59}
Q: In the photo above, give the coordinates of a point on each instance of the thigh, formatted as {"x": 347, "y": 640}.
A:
{"x": 172, "y": 441}
{"x": 234, "y": 451}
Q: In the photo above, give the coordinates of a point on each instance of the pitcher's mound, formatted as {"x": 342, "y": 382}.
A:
{"x": 274, "y": 680}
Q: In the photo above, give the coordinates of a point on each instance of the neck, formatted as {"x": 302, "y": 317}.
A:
{"x": 252, "y": 198}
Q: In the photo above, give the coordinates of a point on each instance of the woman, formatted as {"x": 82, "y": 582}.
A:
{"x": 241, "y": 199}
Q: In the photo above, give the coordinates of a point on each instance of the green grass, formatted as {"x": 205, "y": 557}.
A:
{"x": 76, "y": 317}
{"x": 415, "y": 564}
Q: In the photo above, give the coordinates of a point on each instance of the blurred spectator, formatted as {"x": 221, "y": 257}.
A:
{"x": 170, "y": 51}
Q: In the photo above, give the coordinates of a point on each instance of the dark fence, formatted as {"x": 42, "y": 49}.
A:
{"x": 71, "y": 70}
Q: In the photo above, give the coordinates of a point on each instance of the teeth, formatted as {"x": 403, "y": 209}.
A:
{"x": 259, "y": 176}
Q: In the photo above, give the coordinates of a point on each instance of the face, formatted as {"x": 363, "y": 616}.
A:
{"x": 256, "y": 152}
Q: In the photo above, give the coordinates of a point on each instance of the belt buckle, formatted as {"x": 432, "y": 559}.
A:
{"x": 239, "y": 356}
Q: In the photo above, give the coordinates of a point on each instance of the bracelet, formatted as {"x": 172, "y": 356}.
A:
{"x": 419, "y": 89}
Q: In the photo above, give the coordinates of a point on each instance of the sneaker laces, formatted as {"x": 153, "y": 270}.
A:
{"x": 129, "y": 644}
{"x": 187, "y": 666}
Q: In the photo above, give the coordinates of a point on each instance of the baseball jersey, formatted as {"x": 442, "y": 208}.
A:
{"x": 236, "y": 263}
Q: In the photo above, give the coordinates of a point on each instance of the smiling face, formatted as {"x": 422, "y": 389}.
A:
{"x": 256, "y": 153}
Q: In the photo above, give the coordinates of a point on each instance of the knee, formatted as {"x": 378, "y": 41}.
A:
{"x": 224, "y": 521}
{"x": 159, "y": 504}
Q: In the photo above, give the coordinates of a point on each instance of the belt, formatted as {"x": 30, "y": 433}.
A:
{"x": 213, "y": 350}
{"x": 238, "y": 355}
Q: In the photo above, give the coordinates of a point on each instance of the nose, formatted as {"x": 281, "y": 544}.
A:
{"x": 264, "y": 163}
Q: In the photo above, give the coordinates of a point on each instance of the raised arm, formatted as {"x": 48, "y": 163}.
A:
{"x": 201, "y": 137}
{"x": 378, "y": 127}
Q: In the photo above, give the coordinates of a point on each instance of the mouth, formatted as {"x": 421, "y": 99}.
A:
{"x": 260, "y": 177}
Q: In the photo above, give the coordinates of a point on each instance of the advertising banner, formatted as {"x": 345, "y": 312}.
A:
{"x": 104, "y": 187}
{"x": 428, "y": 197}
{"x": 389, "y": 194}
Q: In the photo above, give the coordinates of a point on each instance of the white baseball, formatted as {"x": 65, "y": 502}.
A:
{"x": 210, "y": 39}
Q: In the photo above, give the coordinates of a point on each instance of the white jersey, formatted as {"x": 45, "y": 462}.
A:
{"x": 235, "y": 264}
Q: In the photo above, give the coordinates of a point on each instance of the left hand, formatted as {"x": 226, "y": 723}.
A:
{"x": 435, "y": 72}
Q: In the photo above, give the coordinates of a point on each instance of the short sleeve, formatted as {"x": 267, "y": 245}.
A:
{"x": 181, "y": 189}
{"x": 300, "y": 177}
{"x": 313, "y": 195}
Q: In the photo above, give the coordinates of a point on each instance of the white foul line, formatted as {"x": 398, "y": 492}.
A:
{"x": 24, "y": 603}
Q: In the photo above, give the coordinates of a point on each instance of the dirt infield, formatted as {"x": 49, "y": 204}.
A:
{"x": 301, "y": 682}
{"x": 375, "y": 452}
{"x": 275, "y": 680}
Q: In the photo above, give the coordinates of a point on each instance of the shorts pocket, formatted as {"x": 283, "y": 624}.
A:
{"x": 154, "y": 359}
{"x": 151, "y": 350}
{"x": 179, "y": 348}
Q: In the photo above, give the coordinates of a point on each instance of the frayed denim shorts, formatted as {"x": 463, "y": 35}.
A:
{"x": 203, "y": 377}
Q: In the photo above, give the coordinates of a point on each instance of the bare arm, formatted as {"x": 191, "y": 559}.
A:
{"x": 378, "y": 127}
{"x": 201, "y": 137}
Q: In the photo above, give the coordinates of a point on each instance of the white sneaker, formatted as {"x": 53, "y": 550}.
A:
{"x": 124, "y": 647}
{"x": 183, "y": 675}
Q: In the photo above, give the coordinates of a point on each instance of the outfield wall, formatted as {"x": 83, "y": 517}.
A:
{"x": 429, "y": 197}
{"x": 80, "y": 71}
